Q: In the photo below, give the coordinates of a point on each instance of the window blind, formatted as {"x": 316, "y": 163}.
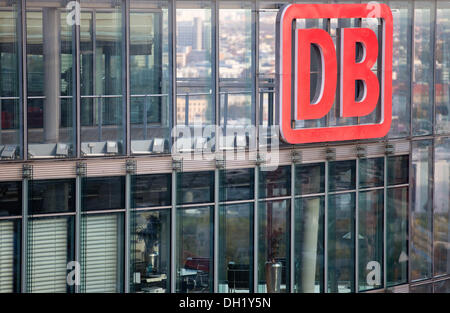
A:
{"x": 47, "y": 255}
{"x": 6, "y": 256}
{"x": 99, "y": 254}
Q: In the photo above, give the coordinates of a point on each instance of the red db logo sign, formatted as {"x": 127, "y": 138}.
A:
{"x": 343, "y": 66}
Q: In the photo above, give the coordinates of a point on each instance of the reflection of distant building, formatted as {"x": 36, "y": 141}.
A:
{"x": 190, "y": 34}
{"x": 197, "y": 109}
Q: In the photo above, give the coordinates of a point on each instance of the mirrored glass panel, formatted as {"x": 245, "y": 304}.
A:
{"x": 342, "y": 175}
{"x": 371, "y": 172}
{"x": 341, "y": 243}
{"x": 401, "y": 68}
{"x": 10, "y": 111}
{"x": 195, "y": 187}
{"x": 194, "y": 249}
{"x": 149, "y": 77}
{"x": 422, "y": 101}
{"x": 397, "y": 255}
{"x": 101, "y": 75}
{"x": 442, "y": 67}
{"x": 309, "y": 178}
{"x": 309, "y": 245}
{"x": 273, "y": 249}
{"x": 150, "y": 251}
{"x": 398, "y": 170}
{"x": 370, "y": 240}
{"x": 50, "y": 80}
{"x": 236, "y": 248}
{"x": 441, "y": 217}
{"x": 421, "y": 210}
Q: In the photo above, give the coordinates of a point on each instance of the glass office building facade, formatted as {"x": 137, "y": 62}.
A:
{"x": 89, "y": 94}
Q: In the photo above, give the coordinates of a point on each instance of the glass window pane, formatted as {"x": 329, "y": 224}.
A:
{"x": 10, "y": 198}
{"x": 442, "y": 67}
{"x": 50, "y": 81}
{"x": 151, "y": 190}
{"x": 341, "y": 243}
{"x": 342, "y": 175}
{"x": 150, "y": 251}
{"x": 422, "y": 102}
{"x": 103, "y": 193}
{"x": 397, "y": 236}
{"x": 194, "y": 249}
{"x": 50, "y": 249}
{"x": 235, "y": 66}
{"x": 309, "y": 245}
{"x": 273, "y": 255}
{"x": 441, "y": 218}
{"x": 102, "y": 247}
{"x": 275, "y": 183}
{"x": 51, "y": 196}
{"x": 10, "y": 103}
{"x": 101, "y": 63}
{"x": 371, "y": 172}
{"x": 195, "y": 187}
{"x": 398, "y": 170}
{"x": 421, "y": 210}
{"x": 194, "y": 102}
{"x": 10, "y": 251}
{"x": 149, "y": 77}
{"x": 236, "y": 248}
{"x": 370, "y": 239}
{"x": 401, "y": 68}
{"x": 309, "y": 179}
{"x": 237, "y": 184}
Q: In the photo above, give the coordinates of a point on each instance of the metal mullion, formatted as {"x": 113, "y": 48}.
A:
{"x": 127, "y": 232}
{"x": 292, "y": 231}
{"x": 255, "y": 71}
{"x": 412, "y": 68}
{"x": 410, "y": 177}
{"x": 51, "y": 215}
{"x": 397, "y": 186}
{"x": 23, "y": 80}
{"x": 194, "y": 205}
{"x": 216, "y": 232}
{"x": 78, "y": 186}
{"x": 325, "y": 233}
{"x": 172, "y": 70}
{"x": 433, "y": 40}
{"x": 215, "y": 69}
{"x": 275, "y": 199}
{"x": 236, "y": 202}
{"x": 24, "y": 239}
{"x": 385, "y": 224}
{"x": 157, "y": 208}
{"x": 126, "y": 74}
{"x": 312, "y": 195}
{"x": 103, "y": 212}
{"x": 255, "y": 231}
{"x": 13, "y": 217}
{"x": 77, "y": 88}
{"x": 356, "y": 228}
{"x": 173, "y": 238}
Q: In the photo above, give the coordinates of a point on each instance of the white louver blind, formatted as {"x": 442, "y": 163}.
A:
{"x": 48, "y": 255}
{"x": 6, "y": 256}
{"x": 100, "y": 253}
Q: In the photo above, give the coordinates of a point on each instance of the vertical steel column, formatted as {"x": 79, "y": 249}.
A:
{"x": 356, "y": 228}
{"x": 126, "y": 74}
{"x": 255, "y": 68}
{"x": 292, "y": 231}
{"x": 173, "y": 238}
{"x": 78, "y": 187}
{"x": 127, "y": 231}
{"x": 325, "y": 233}
{"x": 216, "y": 231}
{"x": 255, "y": 231}
{"x": 411, "y": 55}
